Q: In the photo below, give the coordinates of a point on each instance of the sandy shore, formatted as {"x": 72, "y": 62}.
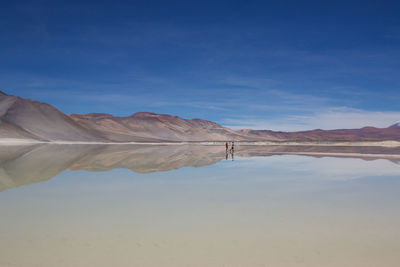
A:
{"x": 14, "y": 141}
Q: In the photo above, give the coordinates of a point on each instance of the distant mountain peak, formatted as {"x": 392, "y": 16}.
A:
{"x": 395, "y": 125}
{"x": 2, "y": 93}
{"x": 144, "y": 114}
{"x": 97, "y": 115}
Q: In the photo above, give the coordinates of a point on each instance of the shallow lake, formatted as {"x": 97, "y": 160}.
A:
{"x": 190, "y": 205}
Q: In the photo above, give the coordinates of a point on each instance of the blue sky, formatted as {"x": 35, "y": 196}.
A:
{"x": 282, "y": 65}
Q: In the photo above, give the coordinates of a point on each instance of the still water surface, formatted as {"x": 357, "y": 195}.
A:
{"x": 189, "y": 206}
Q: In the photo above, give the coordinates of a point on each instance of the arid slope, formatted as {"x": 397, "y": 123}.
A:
{"x": 24, "y": 119}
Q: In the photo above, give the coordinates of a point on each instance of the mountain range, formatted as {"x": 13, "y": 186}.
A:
{"x": 25, "y": 119}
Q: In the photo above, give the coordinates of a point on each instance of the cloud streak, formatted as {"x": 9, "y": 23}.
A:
{"x": 333, "y": 118}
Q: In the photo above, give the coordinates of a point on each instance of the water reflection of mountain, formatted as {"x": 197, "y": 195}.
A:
{"x": 22, "y": 165}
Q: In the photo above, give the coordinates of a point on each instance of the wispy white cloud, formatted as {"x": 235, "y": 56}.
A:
{"x": 333, "y": 118}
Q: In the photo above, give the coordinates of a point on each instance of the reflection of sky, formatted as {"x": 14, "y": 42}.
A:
{"x": 279, "y": 211}
{"x": 323, "y": 168}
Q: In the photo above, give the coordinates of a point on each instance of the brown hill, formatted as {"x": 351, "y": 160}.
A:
{"x": 24, "y": 118}
{"x": 363, "y": 134}
{"x": 28, "y": 119}
{"x": 146, "y": 126}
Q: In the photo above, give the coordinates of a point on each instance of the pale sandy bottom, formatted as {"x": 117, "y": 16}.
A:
{"x": 273, "y": 211}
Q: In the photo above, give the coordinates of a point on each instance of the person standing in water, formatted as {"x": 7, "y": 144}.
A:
{"x": 226, "y": 150}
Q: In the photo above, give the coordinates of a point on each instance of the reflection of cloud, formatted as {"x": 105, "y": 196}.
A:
{"x": 334, "y": 118}
{"x": 323, "y": 168}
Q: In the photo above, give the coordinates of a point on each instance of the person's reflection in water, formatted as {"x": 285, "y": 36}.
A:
{"x": 226, "y": 150}
{"x": 232, "y": 150}
{"x": 229, "y": 151}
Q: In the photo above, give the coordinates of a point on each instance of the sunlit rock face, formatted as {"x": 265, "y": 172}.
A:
{"x": 41, "y": 121}
{"x": 28, "y": 119}
{"x": 146, "y": 126}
